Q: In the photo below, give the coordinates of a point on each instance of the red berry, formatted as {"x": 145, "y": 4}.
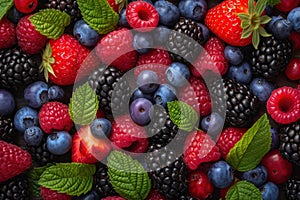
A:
{"x": 7, "y": 34}
{"x": 295, "y": 39}
{"x": 142, "y": 15}
{"x": 284, "y": 105}
{"x": 199, "y": 185}
{"x": 287, "y": 5}
{"x": 155, "y": 195}
{"x": 279, "y": 169}
{"x": 292, "y": 71}
{"x": 26, "y": 6}
{"x": 48, "y": 194}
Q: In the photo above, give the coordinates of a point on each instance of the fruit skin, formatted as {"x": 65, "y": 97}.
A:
{"x": 25, "y": 117}
{"x": 193, "y": 9}
{"x": 36, "y": 94}
{"x": 292, "y": 71}
{"x": 279, "y": 170}
{"x": 234, "y": 55}
{"x": 100, "y": 128}
{"x": 7, "y": 102}
{"x": 241, "y": 73}
{"x": 257, "y": 176}
{"x": 14, "y": 161}
{"x": 140, "y": 110}
{"x": 7, "y": 34}
{"x": 269, "y": 191}
{"x": 168, "y": 13}
{"x": 292, "y": 188}
{"x": 199, "y": 185}
{"x": 261, "y": 88}
{"x": 286, "y": 5}
{"x": 54, "y": 116}
{"x": 48, "y": 194}
{"x": 85, "y": 34}
{"x": 25, "y": 6}
{"x": 178, "y": 74}
{"x": 59, "y": 142}
{"x": 220, "y": 174}
{"x": 33, "y": 136}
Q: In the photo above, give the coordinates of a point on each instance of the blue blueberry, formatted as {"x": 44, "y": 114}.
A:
{"x": 294, "y": 18}
{"x": 7, "y": 102}
{"x": 282, "y": 29}
{"x": 33, "y": 136}
{"x": 164, "y": 94}
{"x": 91, "y": 195}
{"x": 275, "y": 138}
{"x": 59, "y": 142}
{"x": 274, "y": 19}
{"x": 220, "y": 174}
{"x": 56, "y": 93}
{"x": 257, "y": 176}
{"x": 234, "y": 55}
{"x": 143, "y": 42}
{"x": 178, "y": 74}
{"x": 85, "y": 34}
{"x": 261, "y": 88}
{"x": 122, "y": 19}
{"x": 101, "y": 128}
{"x": 25, "y": 117}
{"x": 168, "y": 13}
{"x": 36, "y": 94}
{"x": 212, "y": 124}
{"x": 147, "y": 81}
{"x": 269, "y": 191}
{"x": 139, "y": 94}
{"x": 241, "y": 73}
{"x": 140, "y": 111}
{"x": 205, "y": 32}
{"x": 193, "y": 9}
{"x": 14, "y": 15}
{"x": 161, "y": 34}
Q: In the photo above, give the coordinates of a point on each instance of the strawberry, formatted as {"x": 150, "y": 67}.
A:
{"x": 237, "y": 23}
{"x": 48, "y": 194}
{"x": 13, "y": 159}
{"x": 7, "y": 34}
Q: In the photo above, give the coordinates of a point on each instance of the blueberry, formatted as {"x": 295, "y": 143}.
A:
{"x": 122, "y": 19}
{"x": 205, "y": 32}
{"x": 147, "y": 81}
{"x": 294, "y": 18}
{"x": 178, "y": 74}
{"x": 193, "y": 9}
{"x": 164, "y": 94}
{"x": 234, "y": 55}
{"x": 168, "y": 13}
{"x": 33, "y": 136}
{"x": 261, "y": 88}
{"x": 212, "y": 124}
{"x": 25, "y": 117}
{"x": 220, "y": 174}
{"x": 101, "y": 128}
{"x": 36, "y": 94}
{"x": 140, "y": 111}
{"x": 56, "y": 93}
{"x": 14, "y": 15}
{"x": 161, "y": 35}
{"x": 7, "y": 102}
{"x": 275, "y": 138}
{"x": 282, "y": 29}
{"x": 274, "y": 19}
{"x": 139, "y": 94}
{"x": 91, "y": 195}
{"x": 257, "y": 176}
{"x": 59, "y": 142}
{"x": 85, "y": 34}
{"x": 143, "y": 42}
{"x": 269, "y": 191}
{"x": 241, "y": 73}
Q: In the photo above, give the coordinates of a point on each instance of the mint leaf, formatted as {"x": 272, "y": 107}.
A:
{"x": 127, "y": 176}
{"x": 50, "y": 22}
{"x": 34, "y": 177}
{"x": 243, "y": 190}
{"x": 183, "y": 115}
{"x": 83, "y": 105}
{"x": 255, "y": 143}
{"x": 71, "y": 178}
{"x": 5, "y": 5}
{"x": 273, "y": 2}
{"x": 99, "y": 15}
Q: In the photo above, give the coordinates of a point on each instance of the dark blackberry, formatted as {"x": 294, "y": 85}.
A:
{"x": 186, "y": 197}
{"x": 290, "y": 142}
{"x": 292, "y": 189}
{"x": 17, "y": 69}
{"x": 7, "y": 131}
{"x": 184, "y": 40}
{"x": 16, "y": 188}
{"x": 101, "y": 182}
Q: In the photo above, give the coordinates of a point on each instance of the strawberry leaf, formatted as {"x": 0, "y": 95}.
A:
{"x": 5, "y": 5}
{"x": 50, "y": 22}
{"x": 273, "y": 2}
{"x": 243, "y": 190}
{"x": 260, "y": 6}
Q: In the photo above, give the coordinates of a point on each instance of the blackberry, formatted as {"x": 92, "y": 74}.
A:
{"x": 187, "y": 197}
{"x": 18, "y": 69}
{"x": 101, "y": 182}
{"x": 292, "y": 189}
{"x": 6, "y": 129}
{"x": 290, "y": 142}
{"x": 16, "y": 188}
{"x": 184, "y": 40}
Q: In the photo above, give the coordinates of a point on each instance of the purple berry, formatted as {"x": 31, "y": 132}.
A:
{"x": 257, "y": 176}
{"x": 140, "y": 111}
{"x": 241, "y": 73}
{"x": 7, "y": 102}
{"x": 234, "y": 55}
{"x": 261, "y": 88}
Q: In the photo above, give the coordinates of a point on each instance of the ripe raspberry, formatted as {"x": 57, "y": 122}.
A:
{"x": 48, "y": 194}
{"x": 228, "y": 138}
{"x": 7, "y": 34}
{"x": 54, "y": 116}
{"x": 127, "y": 135}
{"x": 142, "y": 15}
{"x": 284, "y": 105}
{"x": 116, "y": 49}
{"x": 199, "y": 185}
{"x": 200, "y": 148}
{"x": 196, "y": 95}
{"x": 29, "y": 39}
{"x": 155, "y": 195}
{"x": 113, "y": 198}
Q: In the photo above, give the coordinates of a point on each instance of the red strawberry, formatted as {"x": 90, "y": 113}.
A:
{"x": 13, "y": 159}
{"x": 200, "y": 148}
{"x": 7, "y": 34}
{"x": 116, "y": 49}
{"x": 199, "y": 185}
{"x": 62, "y": 58}
{"x": 48, "y": 194}
{"x": 29, "y": 39}
{"x": 228, "y": 138}
{"x": 54, "y": 116}
{"x": 88, "y": 149}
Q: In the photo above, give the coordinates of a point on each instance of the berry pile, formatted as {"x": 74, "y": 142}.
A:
{"x": 150, "y": 99}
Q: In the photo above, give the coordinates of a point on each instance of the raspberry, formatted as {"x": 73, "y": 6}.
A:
{"x": 200, "y": 148}
{"x": 142, "y": 15}
{"x": 48, "y": 194}
{"x": 7, "y": 34}
{"x": 155, "y": 195}
{"x": 228, "y": 138}
{"x": 284, "y": 105}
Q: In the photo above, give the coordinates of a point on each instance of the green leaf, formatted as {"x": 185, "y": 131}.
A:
{"x": 243, "y": 190}
{"x": 99, "y": 15}
{"x": 265, "y": 19}
{"x": 263, "y": 32}
{"x": 83, "y": 105}
{"x": 251, "y": 9}
{"x": 50, "y": 22}
{"x": 127, "y": 176}
{"x": 5, "y": 5}
{"x": 273, "y": 2}
{"x": 251, "y": 148}
{"x": 183, "y": 115}
{"x": 244, "y": 17}
{"x": 247, "y": 32}
{"x": 34, "y": 177}
{"x": 260, "y": 6}
{"x": 255, "y": 38}
{"x": 71, "y": 178}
